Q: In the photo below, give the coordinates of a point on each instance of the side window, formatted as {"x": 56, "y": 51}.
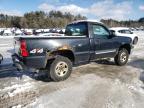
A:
{"x": 100, "y": 31}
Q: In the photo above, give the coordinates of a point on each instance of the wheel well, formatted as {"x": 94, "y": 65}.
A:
{"x": 66, "y": 53}
{"x": 127, "y": 47}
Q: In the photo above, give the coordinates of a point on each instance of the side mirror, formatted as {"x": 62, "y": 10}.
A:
{"x": 112, "y": 33}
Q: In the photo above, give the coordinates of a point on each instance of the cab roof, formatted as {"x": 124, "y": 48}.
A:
{"x": 92, "y": 21}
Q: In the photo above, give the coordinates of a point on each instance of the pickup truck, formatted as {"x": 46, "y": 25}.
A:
{"x": 84, "y": 41}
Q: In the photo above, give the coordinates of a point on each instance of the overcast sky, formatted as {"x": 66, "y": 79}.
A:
{"x": 92, "y": 9}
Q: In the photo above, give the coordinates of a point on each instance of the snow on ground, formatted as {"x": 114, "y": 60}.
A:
{"x": 17, "y": 88}
{"x": 6, "y": 49}
{"x": 92, "y": 92}
{"x": 95, "y": 85}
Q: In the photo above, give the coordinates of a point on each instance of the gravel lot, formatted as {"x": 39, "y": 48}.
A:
{"x": 95, "y": 85}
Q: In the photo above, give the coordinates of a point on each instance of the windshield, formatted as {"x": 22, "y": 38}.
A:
{"x": 76, "y": 29}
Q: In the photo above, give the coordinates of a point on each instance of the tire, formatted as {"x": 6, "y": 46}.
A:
{"x": 60, "y": 69}
{"x": 135, "y": 41}
{"x": 122, "y": 57}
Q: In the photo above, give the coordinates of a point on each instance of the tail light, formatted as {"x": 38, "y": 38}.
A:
{"x": 23, "y": 49}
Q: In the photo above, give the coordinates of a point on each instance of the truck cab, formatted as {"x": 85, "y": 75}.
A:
{"x": 102, "y": 43}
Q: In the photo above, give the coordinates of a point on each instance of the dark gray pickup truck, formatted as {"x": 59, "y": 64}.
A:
{"x": 84, "y": 41}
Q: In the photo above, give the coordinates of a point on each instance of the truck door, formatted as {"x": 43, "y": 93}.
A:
{"x": 104, "y": 44}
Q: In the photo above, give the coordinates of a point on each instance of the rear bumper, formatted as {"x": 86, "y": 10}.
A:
{"x": 37, "y": 62}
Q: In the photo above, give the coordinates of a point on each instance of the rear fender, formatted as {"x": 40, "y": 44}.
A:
{"x": 64, "y": 50}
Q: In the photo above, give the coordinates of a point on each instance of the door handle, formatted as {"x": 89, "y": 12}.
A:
{"x": 97, "y": 41}
{"x": 79, "y": 45}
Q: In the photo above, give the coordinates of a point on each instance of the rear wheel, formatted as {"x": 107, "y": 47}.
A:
{"x": 122, "y": 57}
{"x": 60, "y": 68}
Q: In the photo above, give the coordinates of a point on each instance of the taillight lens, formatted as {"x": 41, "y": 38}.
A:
{"x": 23, "y": 49}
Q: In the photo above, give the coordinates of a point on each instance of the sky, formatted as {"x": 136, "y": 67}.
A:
{"x": 92, "y": 9}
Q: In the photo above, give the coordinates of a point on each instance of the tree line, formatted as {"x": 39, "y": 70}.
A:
{"x": 39, "y": 19}
{"x": 56, "y": 19}
{"x": 129, "y": 23}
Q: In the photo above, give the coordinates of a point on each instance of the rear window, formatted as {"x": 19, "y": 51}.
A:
{"x": 76, "y": 29}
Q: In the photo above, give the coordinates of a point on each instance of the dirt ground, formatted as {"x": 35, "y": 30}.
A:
{"x": 95, "y": 85}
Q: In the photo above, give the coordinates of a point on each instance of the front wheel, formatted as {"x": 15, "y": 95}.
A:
{"x": 60, "y": 69}
{"x": 122, "y": 57}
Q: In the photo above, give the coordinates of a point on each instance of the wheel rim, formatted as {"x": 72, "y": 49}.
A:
{"x": 61, "y": 69}
{"x": 123, "y": 57}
